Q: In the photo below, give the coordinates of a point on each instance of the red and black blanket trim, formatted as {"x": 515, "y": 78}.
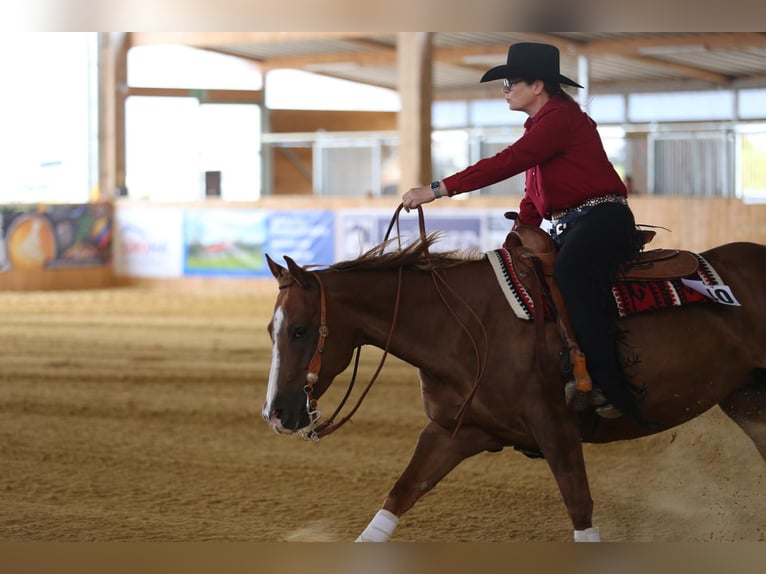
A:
{"x": 631, "y": 297}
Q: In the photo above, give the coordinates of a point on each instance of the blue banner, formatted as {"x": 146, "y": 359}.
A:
{"x": 234, "y": 242}
{"x": 306, "y": 236}
{"x": 361, "y": 230}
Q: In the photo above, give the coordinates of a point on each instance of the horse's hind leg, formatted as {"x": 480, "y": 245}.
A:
{"x": 436, "y": 454}
{"x": 562, "y": 447}
{"x": 747, "y": 407}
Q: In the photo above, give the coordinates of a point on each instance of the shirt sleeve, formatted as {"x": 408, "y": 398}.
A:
{"x": 546, "y": 138}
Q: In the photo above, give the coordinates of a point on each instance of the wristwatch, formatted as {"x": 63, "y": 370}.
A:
{"x": 435, "y": 188}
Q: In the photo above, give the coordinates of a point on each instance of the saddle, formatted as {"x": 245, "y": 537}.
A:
{"x": 527, "y": 243}
{"x": 533, "y": 254}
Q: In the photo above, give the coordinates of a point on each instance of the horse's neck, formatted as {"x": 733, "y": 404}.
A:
{"x": 422, "y": 324}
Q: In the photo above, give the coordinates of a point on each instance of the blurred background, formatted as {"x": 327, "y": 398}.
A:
{"x": 192, "y": 154}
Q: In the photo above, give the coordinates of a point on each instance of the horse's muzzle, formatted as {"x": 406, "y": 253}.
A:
{"x": 284, "y": 421}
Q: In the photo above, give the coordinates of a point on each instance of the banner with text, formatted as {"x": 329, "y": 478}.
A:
{"x": 234, "y": 242}
{"x": 148, "y": 242}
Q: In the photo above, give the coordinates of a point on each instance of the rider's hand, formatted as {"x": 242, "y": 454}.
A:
{"x": 417, "y": 196}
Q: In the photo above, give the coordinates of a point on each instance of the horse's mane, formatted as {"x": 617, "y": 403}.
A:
{"x": 415, "y": 255}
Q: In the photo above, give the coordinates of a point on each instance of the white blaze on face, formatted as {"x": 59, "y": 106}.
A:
{"x": 271, "y": 391}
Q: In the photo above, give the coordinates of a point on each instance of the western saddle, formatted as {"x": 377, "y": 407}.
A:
{"x": 533, "y": 254}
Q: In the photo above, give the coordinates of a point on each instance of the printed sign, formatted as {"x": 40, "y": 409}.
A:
{"x": 361, "y": 230}
{"x": 224, "y": 242}
{"x": 306, "y": 236}
{"x": 234, "y": 242}
{"x": 148, "y": 242}
{"x": 55, "y": 236}
{"x": 719, "y": 293}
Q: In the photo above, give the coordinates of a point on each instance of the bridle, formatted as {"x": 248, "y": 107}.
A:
{"x": 315, "y": 430}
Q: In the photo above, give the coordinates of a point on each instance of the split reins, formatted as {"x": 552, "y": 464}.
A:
{"x": 316, "y": 430}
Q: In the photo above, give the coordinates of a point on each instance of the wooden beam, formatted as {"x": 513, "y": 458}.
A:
{"x": 686, "y": 70}
{"x": 457, "y": 56}
{"x": 212, "y": 39}
{"x": 645, "y": 50}
{"x": 372, "y": 58}
{"x": 113, "y": 77}
{"x": 415, "y": 87}
{"x": 203, "y": 95}
{"x": 636, "y": 46}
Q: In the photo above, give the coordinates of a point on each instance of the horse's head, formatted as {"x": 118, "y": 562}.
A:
{"x": 302, "y": 367}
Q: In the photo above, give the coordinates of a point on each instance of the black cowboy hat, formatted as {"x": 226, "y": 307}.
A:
{"x": 530, "y": 60}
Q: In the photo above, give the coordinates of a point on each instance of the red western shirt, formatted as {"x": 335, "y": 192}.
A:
{"x": 564, "y": 160}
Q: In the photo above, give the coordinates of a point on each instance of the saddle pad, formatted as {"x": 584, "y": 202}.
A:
{"x": 631, "y": 297}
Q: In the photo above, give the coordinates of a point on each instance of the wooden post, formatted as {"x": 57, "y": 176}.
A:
{"x": 113, "y": 83}
{"x": 414, "y": 58}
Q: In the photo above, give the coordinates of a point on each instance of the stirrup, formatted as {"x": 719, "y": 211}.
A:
{"x": 577, "y": 392}
{"x": 608, "y": 411}
{"x": 575, "y": 400}
{"x": 597, "y": 397}
{"x": 578, "y": 400}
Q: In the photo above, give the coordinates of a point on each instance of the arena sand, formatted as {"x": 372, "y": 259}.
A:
{"x": 133, "y": 414}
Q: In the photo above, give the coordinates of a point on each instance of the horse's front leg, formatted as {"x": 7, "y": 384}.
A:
{"x": 436, "y": 454}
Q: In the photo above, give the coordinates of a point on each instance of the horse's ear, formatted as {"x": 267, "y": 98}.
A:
{"x": 276, "y": 269}
{"x": 301, "y": 276}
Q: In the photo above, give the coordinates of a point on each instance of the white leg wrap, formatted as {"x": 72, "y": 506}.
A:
{"x": 380, "y": 528}
{"x": 587, "y": 535}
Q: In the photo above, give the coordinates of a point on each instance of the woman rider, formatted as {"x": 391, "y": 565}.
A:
{"x": 570, "y": 181}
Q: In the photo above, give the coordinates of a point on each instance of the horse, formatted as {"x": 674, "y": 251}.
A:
{"x": 484, "y": 384}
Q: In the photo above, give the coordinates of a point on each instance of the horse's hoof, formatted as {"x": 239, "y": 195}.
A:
{"x": 608, "y": 411}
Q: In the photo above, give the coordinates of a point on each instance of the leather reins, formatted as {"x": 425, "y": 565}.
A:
{"x": 315, "y": 430}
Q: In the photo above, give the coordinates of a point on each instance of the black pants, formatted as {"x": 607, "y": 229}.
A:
{"x": 591, "y": 252}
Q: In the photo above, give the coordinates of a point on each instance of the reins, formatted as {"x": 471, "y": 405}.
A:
{"x": 481, "y": 362}
{"x": 315, "y": 430}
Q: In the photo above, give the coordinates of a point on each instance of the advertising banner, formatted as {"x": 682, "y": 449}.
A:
{"x": 306, "y": 236}
{"x": 224, "y": 242}
{"x": 234, "y": 242}
{"x": 176, "y": 242}
{"x": 55, "y": 236}
{"x": 361, "y": 230}
{"x": 148, "y": 243}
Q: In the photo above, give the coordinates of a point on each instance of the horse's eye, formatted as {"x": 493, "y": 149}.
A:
{"x": 298, "y": 332}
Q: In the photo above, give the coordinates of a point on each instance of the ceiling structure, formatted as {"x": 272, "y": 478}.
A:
{"x": 617, "y": 62}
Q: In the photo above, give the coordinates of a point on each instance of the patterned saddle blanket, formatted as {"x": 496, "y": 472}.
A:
{"x": 631, "y": 297}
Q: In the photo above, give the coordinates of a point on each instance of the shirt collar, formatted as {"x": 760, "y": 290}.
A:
{"x": 552, "y": 103}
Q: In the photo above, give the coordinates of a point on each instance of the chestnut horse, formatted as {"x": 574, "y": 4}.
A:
{"x": 483, "y": 385}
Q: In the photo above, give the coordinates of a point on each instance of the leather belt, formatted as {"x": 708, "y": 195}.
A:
{"x": 609, "y": 198}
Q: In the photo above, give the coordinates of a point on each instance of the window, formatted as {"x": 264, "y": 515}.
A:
{"x": 48, "y": 117}
{"x": 681, "y": 106}
{"x": 173, "y": 143}
{"x": 298, "y": 90}
{"x": 185, "y": 148}
{"x": 752, "y": 150}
